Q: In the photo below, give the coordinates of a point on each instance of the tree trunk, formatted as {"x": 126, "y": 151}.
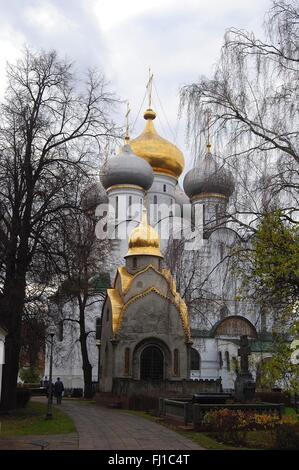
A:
{"x": 86, "y": 366}
{"x": 12, "y": 304}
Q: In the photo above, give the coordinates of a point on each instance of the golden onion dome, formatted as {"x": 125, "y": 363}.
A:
{"x": 163, "y": 156}
{"x": 144, "y": 240}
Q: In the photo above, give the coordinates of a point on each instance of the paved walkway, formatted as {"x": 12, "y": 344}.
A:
{"x": 105, "y": 428}
{"x": 54, "y": 442}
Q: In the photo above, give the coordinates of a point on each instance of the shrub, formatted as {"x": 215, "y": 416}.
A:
{"x": 229, "y": 425}
{"x": 23, "y": 396}
{"x": 263, "y": 421}
{"x": 30, "y": 375}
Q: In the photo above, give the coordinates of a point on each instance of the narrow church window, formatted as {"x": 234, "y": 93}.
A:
{"x": 155, "y": 208}
{"x": 176, "y": 362}
{"x": 195, "y": 360}
{"x": 107, "y": 314}
{"x": 227, "y": 360}
{"x": 130, "y": 207}
{"x": 220, "y": 359}
{"x": 164, "y": 188}
{"x": 134, "y": 262}
{"x": 116, "y": 207}
{"x": 192, "y": 215}
{"x": 203, "y": 215}
{"x": 127, "y": 361}
{"x": 60, "y": 331}
{"x": 98, "y": 328}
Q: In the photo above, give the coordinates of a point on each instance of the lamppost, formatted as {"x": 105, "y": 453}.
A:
{"x": 98, "y": 344}
{"x": 51, "y": 332}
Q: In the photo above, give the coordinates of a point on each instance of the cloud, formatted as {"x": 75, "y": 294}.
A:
{"x": 179, "y": 40}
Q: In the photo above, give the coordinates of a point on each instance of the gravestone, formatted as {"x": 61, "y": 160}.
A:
{"x": 244, "y": 383}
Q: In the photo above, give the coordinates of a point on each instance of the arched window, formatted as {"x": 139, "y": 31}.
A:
{"x": 176, "y": 362}
{"x": 164, "y": 188}
{"x": 60, "y": 331}
{"x": 220, "y": 359}
{"x": 227, "y": 360}
{"x": 98, "y": 328}
{"x": 195, "y": 360}
{"x": 127, "y": 361}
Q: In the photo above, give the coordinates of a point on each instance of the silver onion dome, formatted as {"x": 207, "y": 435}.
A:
{"x": 207, "y": 177}
{"x": 93, "y": 196}
{"x": 127, "y": 168}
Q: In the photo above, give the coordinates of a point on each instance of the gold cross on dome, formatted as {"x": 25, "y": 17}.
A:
{"x": 149, "y": 87}
{"x": 127, "y": 137}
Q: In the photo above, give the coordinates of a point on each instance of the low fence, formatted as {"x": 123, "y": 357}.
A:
{"x": 180, "y": 410}
{"x": 168, "y": 388}
{"x": 189, "y": 412}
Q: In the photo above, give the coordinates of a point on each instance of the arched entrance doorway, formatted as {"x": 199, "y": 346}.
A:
{"x": 152, "y": 364}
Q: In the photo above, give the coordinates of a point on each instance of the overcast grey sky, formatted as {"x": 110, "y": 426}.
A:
{"x": 180, "y": 40}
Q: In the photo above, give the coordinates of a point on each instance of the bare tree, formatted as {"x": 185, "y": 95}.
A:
{"x": 83, "y": 262}
{"x": 48, "y": 121}
{"x": 253, "y": 102}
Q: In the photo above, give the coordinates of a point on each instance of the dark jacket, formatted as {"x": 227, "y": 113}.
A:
{"x": 58, "y": 388}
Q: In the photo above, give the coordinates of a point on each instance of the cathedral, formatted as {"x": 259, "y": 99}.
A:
{"x": 182, "y": 321}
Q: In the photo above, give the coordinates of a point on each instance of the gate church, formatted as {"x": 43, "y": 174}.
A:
{"x": 145, "y": 323}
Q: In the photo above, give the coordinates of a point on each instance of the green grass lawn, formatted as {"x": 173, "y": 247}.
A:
{"x": 31, "y": 420}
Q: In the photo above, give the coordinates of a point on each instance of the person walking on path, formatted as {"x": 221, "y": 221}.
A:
{"x": 58, "y": 389}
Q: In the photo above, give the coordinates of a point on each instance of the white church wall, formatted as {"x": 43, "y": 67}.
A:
{"x": 67, "y": 358}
